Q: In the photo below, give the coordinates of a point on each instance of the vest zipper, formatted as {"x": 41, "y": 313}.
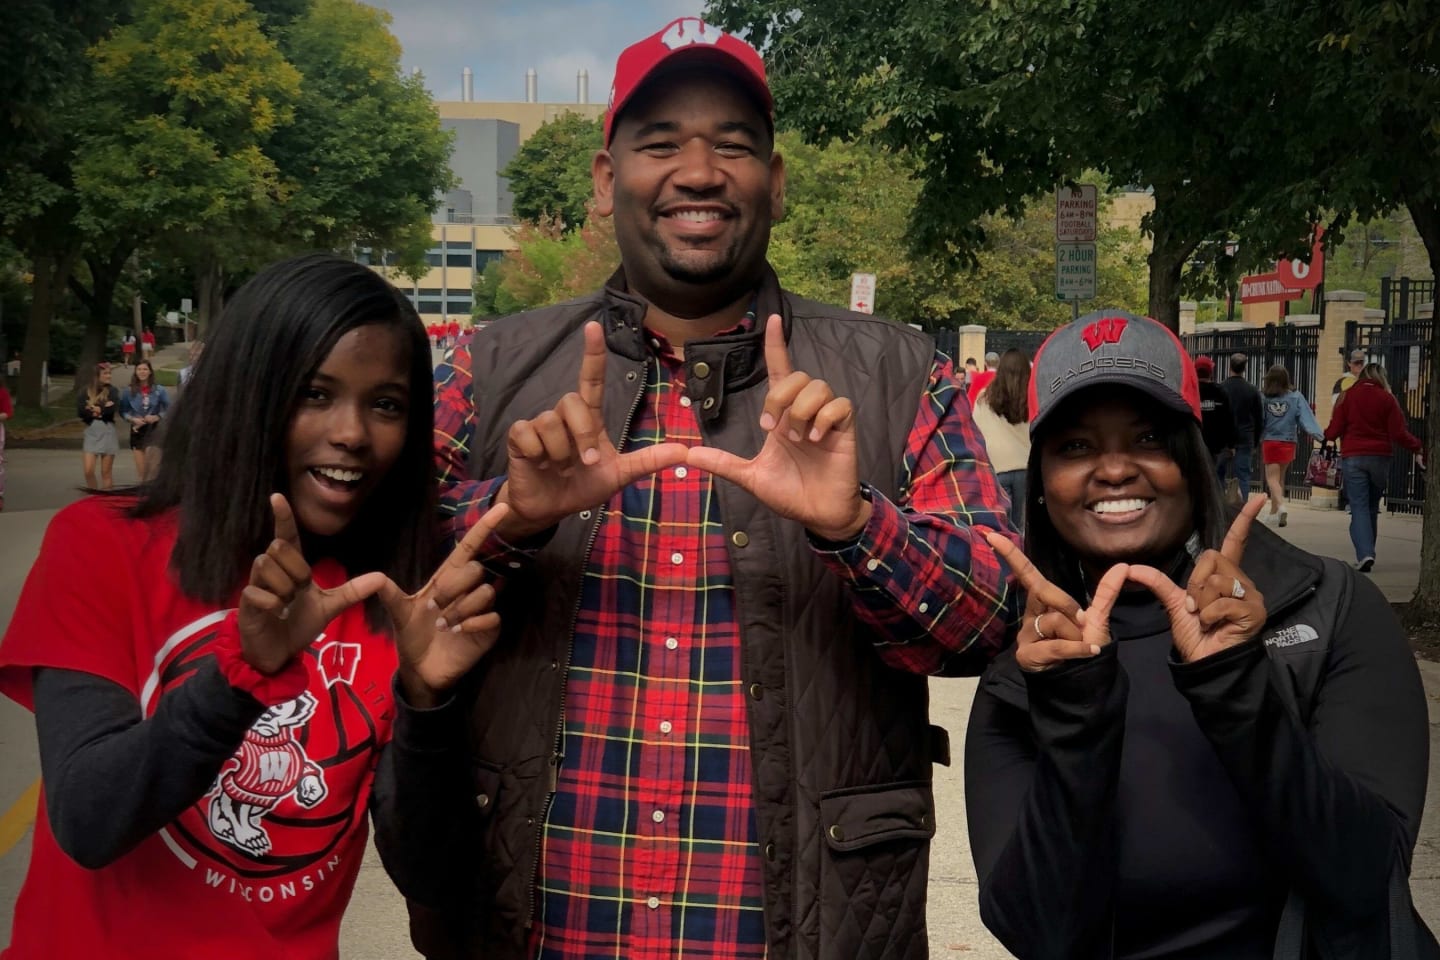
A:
{"x": 557, "y": 754}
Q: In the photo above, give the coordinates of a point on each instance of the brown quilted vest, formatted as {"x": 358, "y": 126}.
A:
{"x": 840, "y": 745}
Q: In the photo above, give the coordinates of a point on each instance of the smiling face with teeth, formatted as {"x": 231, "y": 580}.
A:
{"x": 349, "y": 428}
{"x": 1113, "y": 491}
{"x": 693, "y": 182}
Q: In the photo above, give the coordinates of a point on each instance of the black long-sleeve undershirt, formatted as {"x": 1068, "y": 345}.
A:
{"x": 114, "y": 777}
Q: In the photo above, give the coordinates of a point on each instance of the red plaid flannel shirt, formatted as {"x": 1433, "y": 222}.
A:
{"x": 650, "y": 846}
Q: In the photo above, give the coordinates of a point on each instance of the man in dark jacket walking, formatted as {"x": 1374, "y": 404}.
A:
{"x": 743, "y": 528}
{"x": 1217, "y": 420}
{"x": 1249, "y": 418}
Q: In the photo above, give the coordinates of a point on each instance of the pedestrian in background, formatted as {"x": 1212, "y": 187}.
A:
{"x": 197, "y": 347}
{"x": 1217, "y": 421}
{"x": 143, "y": 405}
{"x": 1368, "y": 424}
{"x": 147, "y": 343}
{"x": 982, "y": 379}
{"x": 1002, "y": 413}
{"x": 97, "y": 408}
{"x": 1286, "y": 413}
{"x": 127, "y": 348}
{"x": 1249, "y": 416}
{"x": 7, "y": 410}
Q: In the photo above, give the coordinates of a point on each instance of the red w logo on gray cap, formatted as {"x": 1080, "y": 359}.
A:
{"x": 1105, "y": 330}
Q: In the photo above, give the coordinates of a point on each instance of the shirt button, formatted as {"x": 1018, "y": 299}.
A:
{"x": 585, "y": 514}
{"x": 872, "y": 565}
{"x": 702, "y": 370}
{"x": 685, "y": 401}
{"x": 756, "y": 691}
{"x": 671, "y": 643}
{"x": 924, "y": 608}
{"x": 658, "y": 816}
{"x": 681, "y": 472}
{"x": 653, "y": 903}
{"x": 677, "y": 558}
{"x": 514, "y": 564}
{"x": 740, "y": 538}
{"x": 665, "y": 726}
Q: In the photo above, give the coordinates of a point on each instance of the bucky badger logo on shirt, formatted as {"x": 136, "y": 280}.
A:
{"x": 269, "y": 766}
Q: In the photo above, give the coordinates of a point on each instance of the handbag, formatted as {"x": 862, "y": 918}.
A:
{"x": 1323, "y": 470}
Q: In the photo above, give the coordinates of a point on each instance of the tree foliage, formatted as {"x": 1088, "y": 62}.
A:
{"x": 1000, "y": 102}
{"x": 550, "y": 173}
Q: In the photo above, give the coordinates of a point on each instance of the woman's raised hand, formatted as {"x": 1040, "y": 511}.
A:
{"x": 444, "y": 628}
{"x": 1220, "y": 607}
{"x": 1055, "y": 627}
{"x": 281, "y": 610}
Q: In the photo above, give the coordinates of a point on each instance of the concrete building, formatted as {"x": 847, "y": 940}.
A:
{"x": 471, "y": 225}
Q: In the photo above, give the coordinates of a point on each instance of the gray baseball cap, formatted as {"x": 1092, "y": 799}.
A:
{"x": 1112, "y": 347}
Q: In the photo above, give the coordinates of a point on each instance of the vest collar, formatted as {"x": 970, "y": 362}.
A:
{"x": 715, "y": 367}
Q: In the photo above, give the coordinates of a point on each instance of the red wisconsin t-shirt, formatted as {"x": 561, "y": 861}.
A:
{"x": 262, "y": 865}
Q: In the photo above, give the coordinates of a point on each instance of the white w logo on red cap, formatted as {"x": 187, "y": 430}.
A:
{"x": 688, "y": 30}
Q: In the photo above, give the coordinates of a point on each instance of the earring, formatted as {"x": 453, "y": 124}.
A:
{"x": 1040, "y": 499}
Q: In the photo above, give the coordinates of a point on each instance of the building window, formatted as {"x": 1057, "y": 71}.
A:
{"x": 459, "y": 260}
{"x": 431, "y": 292}
{"x": 483, "y": 258}
{"x": 459, "y": 304}
{"x": 428, "y": 306}
{"x": 455, "y": 246}
{"x": 433, "y": 256}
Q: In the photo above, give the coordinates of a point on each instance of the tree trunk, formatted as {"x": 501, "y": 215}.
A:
{"x": 1167, "y": 260}
{"x": 50, "y": 273}
{"x": 1425, "y": 607}
{"x": 210, "y": 288}
{"x": 100, "y": 302}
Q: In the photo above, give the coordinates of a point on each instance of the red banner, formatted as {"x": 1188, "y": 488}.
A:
{"x": 1267, "y": 288}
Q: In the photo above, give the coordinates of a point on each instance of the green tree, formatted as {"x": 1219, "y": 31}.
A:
{"x": 189, "y": 95}
{"x": 1000, "y": 102}
{"x": 365, "y": 156}
{"x": 550, "y": 173}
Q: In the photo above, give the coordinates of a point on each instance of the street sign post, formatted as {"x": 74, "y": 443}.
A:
{"x": 862, "y": 292}
{"x": 1074, "y": 271}
{"x": 1076, "y": 211}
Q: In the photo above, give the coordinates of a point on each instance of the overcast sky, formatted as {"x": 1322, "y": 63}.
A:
{"x": 500, "y": 39}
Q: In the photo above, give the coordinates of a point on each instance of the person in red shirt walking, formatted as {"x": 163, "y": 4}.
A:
{"x": 7, "y": 410}
{"x": 1369, "y": 423}
{"x": 452, "y": 333}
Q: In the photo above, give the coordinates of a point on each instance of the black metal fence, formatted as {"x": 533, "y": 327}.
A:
{"x": 1027, "y": 341}
{"x": 1402, "y": 347}
{"x": 1401, "y": 297}
{"x": 1295, "y": 348}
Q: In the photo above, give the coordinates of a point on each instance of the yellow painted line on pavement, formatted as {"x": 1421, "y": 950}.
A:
{"x": 15, "y": 822}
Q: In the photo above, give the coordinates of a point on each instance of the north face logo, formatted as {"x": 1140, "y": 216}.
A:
{"x": 688, "y": 30}
{"x": 1103, "y": 331}
{"x": 1292, "y": 636}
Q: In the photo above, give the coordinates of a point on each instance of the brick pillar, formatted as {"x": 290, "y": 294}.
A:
{"x": 1341, "y": 307}
{"x": 971, "y": 344}
{"x": 1187, "y": 318}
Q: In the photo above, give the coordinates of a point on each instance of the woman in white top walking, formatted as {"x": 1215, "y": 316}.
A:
{"x": 1002, "y": 414}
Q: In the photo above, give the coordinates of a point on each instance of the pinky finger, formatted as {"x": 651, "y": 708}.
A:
{"x": 835, "y": 415}
{"x": 484, "y": 624}
{"x": 260, "y": 599}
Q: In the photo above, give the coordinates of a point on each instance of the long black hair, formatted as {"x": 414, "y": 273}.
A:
{"x": 1185, "y": 444}
{"x": 223, "y": 448}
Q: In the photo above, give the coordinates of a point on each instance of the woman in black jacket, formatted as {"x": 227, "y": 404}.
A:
{"x": 1205, "y": 743}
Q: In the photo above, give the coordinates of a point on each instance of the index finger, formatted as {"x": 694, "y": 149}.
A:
{"x": 592, "y": 368}
{"x": 1233, "y": 549}
{"x": 285, "y": 527}
{"x": 777, "y": 353}
{"x": 1030, "y": 576}
{"x": 476, "y": 536}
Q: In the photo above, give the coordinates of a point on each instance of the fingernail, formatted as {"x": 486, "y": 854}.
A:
{"x": 767, "y": 422}
{"x": 815, "y": 435}
{"x": 455, "y": 629}
{"x": 440, "y": 624}
{"x": 1189, "y": 604}
{"x": 795, "y": 435}
{"x": 431, "y": 604}
{"x": 591, "y": 456}
{"x": 1094, "y": 648}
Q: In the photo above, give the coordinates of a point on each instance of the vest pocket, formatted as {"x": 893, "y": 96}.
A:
{"x": 873, "y": 870}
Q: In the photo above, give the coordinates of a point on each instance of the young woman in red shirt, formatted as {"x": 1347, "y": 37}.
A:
{"x": 211, "y": 711}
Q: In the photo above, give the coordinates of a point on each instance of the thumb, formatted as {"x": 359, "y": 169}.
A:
{"x": 1097, "y": 617}
{"x": 396, "y": 601}
{"x": 722, "y": 463}
{"x": 337, "y": 601}
{"x": 647, "y": 460}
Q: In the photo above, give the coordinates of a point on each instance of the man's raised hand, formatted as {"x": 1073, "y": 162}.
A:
{"x": 1220, "y": 606}
{"x": 808, "y": 468}
{"x": 281, "y": 610}
{"x": 1055, "y": 628}
{"x": 443, "y": 629}
{"x": 563, "y": 461}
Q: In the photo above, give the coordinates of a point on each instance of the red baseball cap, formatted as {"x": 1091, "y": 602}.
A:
{"x": 686, "y": 38}
{"x": 1204, "y": 366}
